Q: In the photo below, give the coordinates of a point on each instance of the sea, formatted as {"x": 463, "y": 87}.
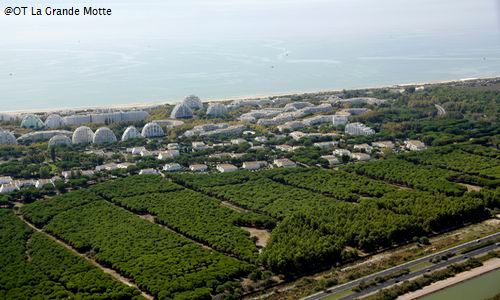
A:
{"x": 75, "y": 73}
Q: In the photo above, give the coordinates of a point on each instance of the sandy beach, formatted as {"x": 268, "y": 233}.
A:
{"x": 149, "y": 104}
{"x": 488, "y": 266}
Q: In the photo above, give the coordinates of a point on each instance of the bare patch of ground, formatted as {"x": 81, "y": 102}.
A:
{"x": 261, "y": 235}
{"x": 471, "y": 188}
{"x": 147, "y": 217}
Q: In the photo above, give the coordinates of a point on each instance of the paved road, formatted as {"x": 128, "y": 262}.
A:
{"x": 415, "y": 274}
{"x": 354, "y": 283}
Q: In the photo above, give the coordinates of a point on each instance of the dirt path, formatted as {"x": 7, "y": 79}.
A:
{"x": 106, "y": 270}
{"x": 233, "y": 207}
{"x": 487, "y": 266}
{"x": 151, "y": 218}
{"x": 261, "y": 235}
{"x": 471, "y": 188}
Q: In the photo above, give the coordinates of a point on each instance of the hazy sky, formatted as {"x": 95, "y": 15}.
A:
{"x": 249, "y": 19}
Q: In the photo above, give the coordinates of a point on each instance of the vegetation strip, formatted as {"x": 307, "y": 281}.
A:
{"x": 46, "y": 266}
{"x": 160, "y": 262}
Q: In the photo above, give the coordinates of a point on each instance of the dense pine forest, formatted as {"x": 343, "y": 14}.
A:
{"x": 185, "y": 235}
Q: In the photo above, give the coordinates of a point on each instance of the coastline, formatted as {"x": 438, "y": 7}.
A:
{"x": 488, "y": 266}
{"x": 143, "y": 105}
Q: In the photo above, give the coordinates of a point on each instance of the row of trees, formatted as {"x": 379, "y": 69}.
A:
{"x": 193, "y": 214}
{"x": 159, "y": 261}
{"x": 455, "y": 159}
{"x": 35, "y": 267}
{"x": 399, "y": 171}
{"x": 339, "y": 184}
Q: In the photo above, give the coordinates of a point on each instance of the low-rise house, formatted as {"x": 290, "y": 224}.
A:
{"x": 40, "y": 183}
{"x": 284, "y": 163}
{"x": 5, "y": 180}
{"x": 146, "y": 153}
{"x": 172, "y": 167}
{"x": 342, "y": 152}
{"x": 383, "y": 144}
{"x": 173, "y": 146}
{"x": 168, "y": 154}
{"x": 7, "y": 188}
{"x": 261, "y": 139}
{"x": 414, "y": 145}
{"x": 124, "y": 165}
{"x": 24, "y": 183}
{"x": 198, "y": 168}
{"x": 220, "y": 155}
{"x": 332, "y": 159}
{"x": 260, "y": 147}
{"x": 363, "y": 147}
{"x": 88, "y": 173}
{"x": 137, "y": 150}
{"x": 98, "y": 152}
{"x": 238, "y": 141}
{"x": 74, "y": 173}
{"x": 225, "y": 168}
{"x": 297, "y": 135}
{"x": 291, "y": 125}
{"x": 326, "y": 145}
{"x": 254, "y": 165}
{"x": 198, "y": 146}
{"x": 148, "y": 172}
{"x": 106, "y": 167}
{"x": 360, "y": 156}
{"x": 285, "y": 148}
{"x": 316, "y": 120}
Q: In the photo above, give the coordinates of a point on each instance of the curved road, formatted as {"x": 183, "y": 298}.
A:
{"x": 407, "y": 265}
{"x": 440, "y": 109}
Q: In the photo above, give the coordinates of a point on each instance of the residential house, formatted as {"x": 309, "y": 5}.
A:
{"x": 414, "y": 145}
{"x": 225, "y": 168}
{"x": 172, "y": 167}
{"x": 383, "y": 144}
{"x": 148, "y": 172}
{"x": 284, "y": 163}
{"x": 254, "y": 165}
{"x": 360, "y": 156}
{"x": 168, "y": 154}
{"x": 332, "y": 159}
{"x": 198, "y": 167}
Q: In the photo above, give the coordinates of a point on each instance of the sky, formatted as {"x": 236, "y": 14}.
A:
{"x": 248, "y": 19}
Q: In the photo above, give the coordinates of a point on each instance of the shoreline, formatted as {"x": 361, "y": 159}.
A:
{"x": 142, "y": 105}
{"x": 488, "y": 266}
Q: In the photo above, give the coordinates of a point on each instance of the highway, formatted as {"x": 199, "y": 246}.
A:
{"x": 407, "y": 265}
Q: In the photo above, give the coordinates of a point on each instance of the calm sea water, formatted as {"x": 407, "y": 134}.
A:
{"x": 76, "y": 74}
{"x": 479, "y": 288}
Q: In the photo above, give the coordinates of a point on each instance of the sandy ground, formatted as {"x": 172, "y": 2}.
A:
{"x": 261, "y": 234}
{"x": 471, "y": 188}
{"x": 488, "y": 266}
